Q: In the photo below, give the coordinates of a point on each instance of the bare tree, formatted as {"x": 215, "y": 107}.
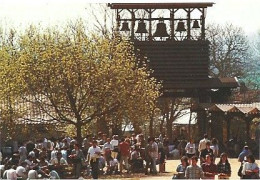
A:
{"x": 228, "y": 50}
{"x": 172, "y": 109}
{"x": 252, "y": 78}
{"x": 102, "y": 18}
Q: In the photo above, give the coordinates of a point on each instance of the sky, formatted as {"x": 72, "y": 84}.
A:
{"x": 21, "y": 13}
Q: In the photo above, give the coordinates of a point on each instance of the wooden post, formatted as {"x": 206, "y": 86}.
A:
{"x": 247, "y": 120}
{"x": 227, "y": 118}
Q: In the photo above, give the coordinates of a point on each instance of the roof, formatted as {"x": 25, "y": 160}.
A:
{"x": 159, "y": 5}
{"x": 210, "y": 83}
{"x": 253, "y": 108}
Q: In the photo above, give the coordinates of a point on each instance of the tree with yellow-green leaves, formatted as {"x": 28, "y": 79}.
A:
{"x": 77, "y": 79}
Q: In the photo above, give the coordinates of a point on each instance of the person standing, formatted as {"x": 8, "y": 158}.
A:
{"x": 194, "y": 171}
{"x": 244, "y": 154}
{"x": 148, "y": 158}
{"x": 190, "y": 150}
{"x": 202, "y": 143}
{"x": 93, "y": 157}
{"x": 215, "y": 148}
{"x": 107, "y": 148}
{"x": 115, "y": 144}
{"x": 205, "y": 152}
{"x": 154, "y": 155}
{"x": 124, "y": 147}
{"x": 78, "y": 157}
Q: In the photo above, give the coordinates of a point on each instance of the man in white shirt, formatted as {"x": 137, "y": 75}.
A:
{"x": 115, "y": 144}
{"x": 202, "y": 143}
{"x": 93, "y": 157}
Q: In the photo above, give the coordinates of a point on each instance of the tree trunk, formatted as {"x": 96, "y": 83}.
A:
{"x": 151, "y": 127}
{"x": 79, "y": 136}
{"x": 117, "y": 129}
{"x": 169, "y": 130}
{"x": 161, "y": 127}
{"x": 102, "y": 125}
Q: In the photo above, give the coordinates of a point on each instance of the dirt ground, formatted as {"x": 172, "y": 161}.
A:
{"x": 171, "y": 166}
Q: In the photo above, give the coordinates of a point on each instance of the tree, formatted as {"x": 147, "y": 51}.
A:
{"x": 76, "y": 79}
{"x": 252, "y": 78}
{"x": 228, "y": 50}
{"x": 171, "y": 109}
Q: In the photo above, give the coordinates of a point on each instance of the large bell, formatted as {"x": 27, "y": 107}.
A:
{"x": 196, "y": 24}
{"x": 125, "y": 26}
{"x": 141, "y": 28}
{"x": 161, "y": 30}
{"x": 180, "y": 27}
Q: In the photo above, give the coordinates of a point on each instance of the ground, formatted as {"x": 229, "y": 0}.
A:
{"x": 170, "y": 168}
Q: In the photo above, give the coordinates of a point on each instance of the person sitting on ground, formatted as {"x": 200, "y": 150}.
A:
{"x": 10, "y": 173}
{"x": 181, "y": 168}
{"x": 250, "y": 168}
{"x": 33, "y": 174}
{"x": 194, "y": 171}
{"x": 209, "y": 168}
{"x": 224, "y": 168}
{"x": 136, "y": 160}
{"x": 53, "y": 174}
{"x": 58, "y": 160}
{"x": 21, "y": 171}
{"x": 101, "y": 164}
{"x": 59, "y": 163}
{"x": 113, "y": 166}
{"x": 30, "y": 162}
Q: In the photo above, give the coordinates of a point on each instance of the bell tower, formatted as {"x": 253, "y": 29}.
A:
{"x": 172, "y": 37}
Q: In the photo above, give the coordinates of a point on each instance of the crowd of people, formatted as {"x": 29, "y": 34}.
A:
{"x": 208, "y": 151}
{"x": 102, "y": 155}
{"x": 96, "y": 155}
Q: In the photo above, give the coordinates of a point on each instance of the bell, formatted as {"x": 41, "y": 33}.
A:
{"x": 141, "y": 28}
{"x": 125, "y": 26}
{"x": 161, "y": 30}
{"x": 196, "y": 24}
{"x": 180, "y": 26}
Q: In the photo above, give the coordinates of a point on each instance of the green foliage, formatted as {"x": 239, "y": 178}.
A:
{"x": 74, "y": 78}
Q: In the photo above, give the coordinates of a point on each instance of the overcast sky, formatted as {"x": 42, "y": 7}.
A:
{"x": 21, "y": 13}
